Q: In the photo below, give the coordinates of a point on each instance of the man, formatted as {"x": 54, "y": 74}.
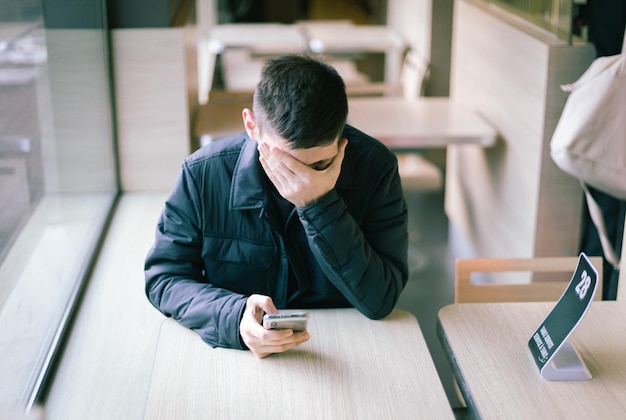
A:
{"x": 300, "y": 211}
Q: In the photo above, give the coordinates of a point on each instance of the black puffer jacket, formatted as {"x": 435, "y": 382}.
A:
{"x": 219, "y": 240}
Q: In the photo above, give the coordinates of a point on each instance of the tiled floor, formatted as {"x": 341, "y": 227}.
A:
{"x": 430, "y": 286}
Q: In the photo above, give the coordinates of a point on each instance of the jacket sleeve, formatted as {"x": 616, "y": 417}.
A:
{"x": 175, "y": 283}
{"x": 366, "y": 261}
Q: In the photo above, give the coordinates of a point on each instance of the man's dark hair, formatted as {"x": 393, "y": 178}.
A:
{"x": 301, "y": 99}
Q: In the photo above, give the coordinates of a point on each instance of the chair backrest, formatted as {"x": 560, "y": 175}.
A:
{"x": 540, "y": 291}
{"x": 417, "y": 173}
{"x": 413, "y": 75}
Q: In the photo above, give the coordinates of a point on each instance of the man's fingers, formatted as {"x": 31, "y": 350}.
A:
{"x": 274, "y": 172}
{"x": 280, "y": 161}
{"x": 260, "y": 304}
{"x": 265, "y": 348}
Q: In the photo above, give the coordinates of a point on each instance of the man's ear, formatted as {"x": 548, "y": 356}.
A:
{"x": 249, "y": 123}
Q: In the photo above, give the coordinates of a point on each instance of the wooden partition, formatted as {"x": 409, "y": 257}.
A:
{"x": 621, "y": 286}
{"x": 511, "y": 200}
{"x": 152, "y": 106}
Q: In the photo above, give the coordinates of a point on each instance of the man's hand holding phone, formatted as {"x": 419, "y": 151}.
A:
{"x": 261, "y": 341}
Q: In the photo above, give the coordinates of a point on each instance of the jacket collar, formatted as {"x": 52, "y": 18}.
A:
{"x": 248, "y": 189}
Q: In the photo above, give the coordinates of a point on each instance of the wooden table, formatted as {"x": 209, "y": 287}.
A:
{"x": 405, "y": 125}
{"x": 352, "y": 367}
{"x": 260, "y": 38}
{"x": 487, "y": 348}
{"x": 341, "y": 39}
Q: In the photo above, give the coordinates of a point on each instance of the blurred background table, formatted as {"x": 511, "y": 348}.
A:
{"x": 409, "y": 125}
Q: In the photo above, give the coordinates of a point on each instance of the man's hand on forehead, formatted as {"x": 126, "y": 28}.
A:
{"x": 301, "y": 183}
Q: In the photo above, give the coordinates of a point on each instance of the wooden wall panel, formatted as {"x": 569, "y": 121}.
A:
{"x": 511, "y": 200}
{"x": 76, "y": 137}
{"x": 150, "y": 77}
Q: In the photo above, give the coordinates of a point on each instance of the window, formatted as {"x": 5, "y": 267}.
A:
{"x": 560, "y": 17}
{"x": 58, "y": 179}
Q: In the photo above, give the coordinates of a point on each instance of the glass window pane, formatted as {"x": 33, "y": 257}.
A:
{"x": 57, "y": 176}
{"x": 554, "y": 16}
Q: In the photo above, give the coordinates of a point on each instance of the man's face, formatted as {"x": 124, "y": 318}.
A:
{"x": 318, "y": 158}
{"x": 301, "y": 176}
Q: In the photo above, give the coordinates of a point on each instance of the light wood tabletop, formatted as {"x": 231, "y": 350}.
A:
{"x": 352, "y": 367}
{"x": 406, "y": 125}
{"x": 487, "y": 346}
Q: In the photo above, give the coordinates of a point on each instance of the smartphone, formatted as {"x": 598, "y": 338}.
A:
{"x": 296, "y": 321}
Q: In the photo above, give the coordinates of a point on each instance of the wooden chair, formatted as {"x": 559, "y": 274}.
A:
{"x": 413, "y": 75}
{"x": 417, "y": 173}
{"x": 535, "y": 291}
